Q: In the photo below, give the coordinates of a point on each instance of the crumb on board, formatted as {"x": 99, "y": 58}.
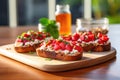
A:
{"x": 8, "y": 48}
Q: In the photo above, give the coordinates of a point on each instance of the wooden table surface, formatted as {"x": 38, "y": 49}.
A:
{"x": 13, "y": 70}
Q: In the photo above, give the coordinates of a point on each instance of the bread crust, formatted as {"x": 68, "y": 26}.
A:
{"x": 26, "y": 49}
{"x": 102, "y": 48}
{"x": 87, "y": 47}
{"x": 29, "y": 41}
{"x": 59, "y": 56}
{"x": 97, "y": 48}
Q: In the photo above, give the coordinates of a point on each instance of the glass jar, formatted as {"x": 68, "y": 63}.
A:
{"x": 63, "y": 16}
{"x": 94, "y": 25}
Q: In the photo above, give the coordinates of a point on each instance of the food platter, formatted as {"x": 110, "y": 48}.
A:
{"x": 31, "y": 59}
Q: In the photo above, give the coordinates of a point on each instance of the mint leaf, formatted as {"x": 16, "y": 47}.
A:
{"x": 31, "y": 52}
{"x": 44, "y": 21}
{"x": 50, "y": 27}
{"x": 48, "y": 59}
{"x": 52, "y": 22}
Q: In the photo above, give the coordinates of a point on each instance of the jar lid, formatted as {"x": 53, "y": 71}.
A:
{"x": 65, "y": 6}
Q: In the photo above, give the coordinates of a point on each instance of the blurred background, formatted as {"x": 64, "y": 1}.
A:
{"x": 29, "y": 11}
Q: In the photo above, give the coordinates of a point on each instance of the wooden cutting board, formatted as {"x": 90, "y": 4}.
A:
{"x": 89, "y": 59}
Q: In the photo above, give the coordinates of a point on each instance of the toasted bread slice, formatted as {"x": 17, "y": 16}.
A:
{"x": 101, "y": 48}
{"x": 97, "y": 48}
{"x": 26, "y": 49}
{"x": 61, "y": 50}
{"x": 89, "y": 41}
{"x": 29, "y": 41}
{"x": 59, "y": 56}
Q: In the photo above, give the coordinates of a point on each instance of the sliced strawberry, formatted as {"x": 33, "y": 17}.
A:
{"x": 69, "y": 47}
{"x": 40, "y": 38}
{"x": 74, "y": 42}
{"x": 57, "y": 42}
{"x": 79, "y": 41}
{"x": 19, "y": 40}
{"x": 26, "y": 35}
{"x": 89, "y": 32}
{"x": 53, "y": 41}
{"x": 82, "y": 38}
{"x": 87, "y": 39}
{"x": 99, "y": 35}
{"x": 75, "y": 37}
{"x": 62, "y": 45}
{"x": 91, "y": 37}
{"x": 100, "y": 41}
{"x": 44, "y": 35}
{"x": 57, "y": 47}
{"x": 49, "y": 42}
{"x": 105, "y": 38}
{"x": 79, "y": 48}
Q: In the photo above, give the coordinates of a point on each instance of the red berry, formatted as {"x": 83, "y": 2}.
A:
{"x": 49, "y": 42}
{"x": 87, "y": 39}
{"x": 75, "y": 37}
{"x": 40, "y": 38}
{"x": 82, "y": 37}
{"x": 44, "y": 35}
{"x": 56, "y": 47}
{"x": 53, "y": 41}
{"x": 19, "y": 40}
{"x": 26, "y": 35}
{"x": 79, "y": 41}
{"x": 62, "y": 45}
{"x": 79, "y": 48}
{"x": 89, "y": 32}
{"x": 74, "y": 42}
{"x": 57, "y": 42}
{"x": 100, "y": 41}
{"x": 105, "y": 38}
{"x": 69, "y": 47}
{"x": 91, "y": 37}
{"x": 99, "y": 35}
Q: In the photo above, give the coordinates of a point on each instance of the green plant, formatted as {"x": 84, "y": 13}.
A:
{"x": 107, "y": 8}
{"x": 50, "y": 27}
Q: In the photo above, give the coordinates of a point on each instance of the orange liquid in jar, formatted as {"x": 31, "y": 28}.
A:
{"x": 65, "y": 23}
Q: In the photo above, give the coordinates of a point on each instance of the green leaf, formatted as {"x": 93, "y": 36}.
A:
{"x": 19, "y": 37}
{"x": 50, "y": 26}
{"x": 31, "y": 52}
{"x": 44, "y": 21}
{"x": 52, "y": 29}
{"x": 48, "y": 59}
{"x": 52, "y": 22}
